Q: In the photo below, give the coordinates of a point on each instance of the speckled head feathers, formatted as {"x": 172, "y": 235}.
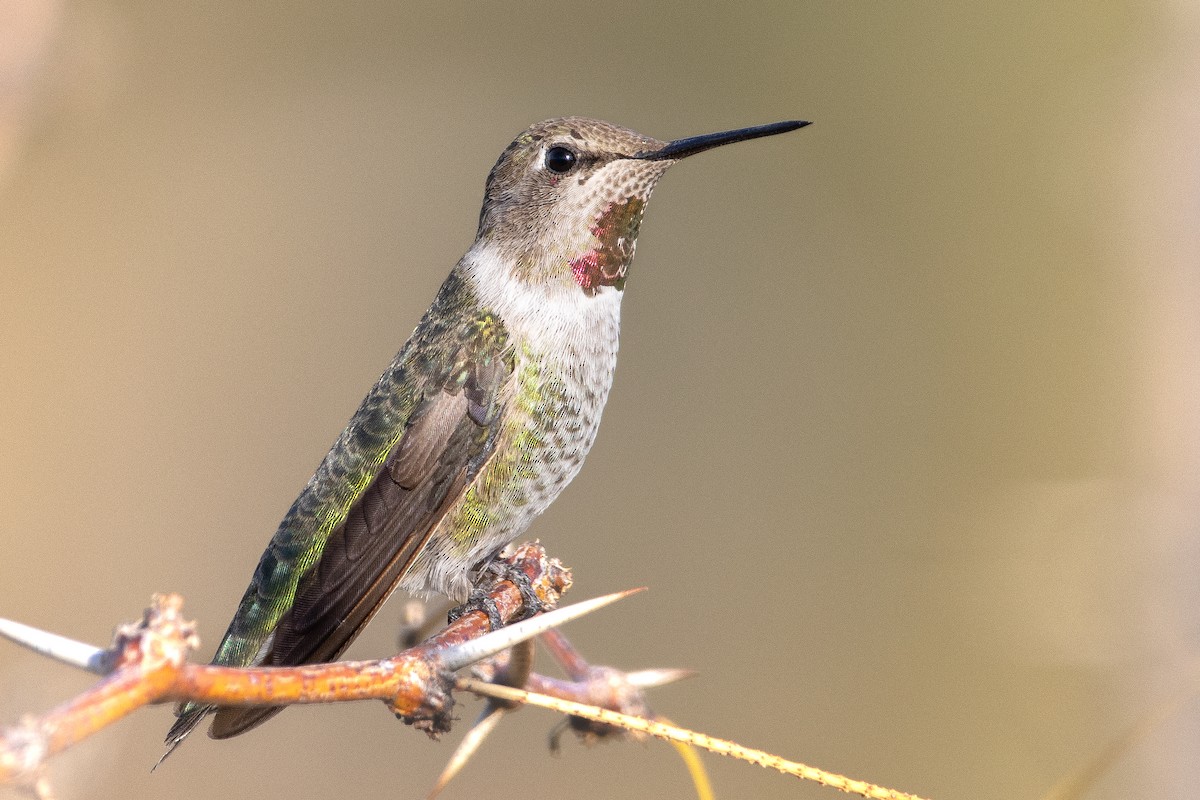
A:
{"x": 563, "y": 204}
{"x": 548, "y": 194}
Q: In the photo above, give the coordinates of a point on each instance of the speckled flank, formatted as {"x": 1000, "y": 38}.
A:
{"x": 551, "y": 423}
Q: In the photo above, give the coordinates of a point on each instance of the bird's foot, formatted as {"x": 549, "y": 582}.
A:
{"x": 478, "y": 600}
{"x": 530, "y": 601}
{"x": 502, "y": 569}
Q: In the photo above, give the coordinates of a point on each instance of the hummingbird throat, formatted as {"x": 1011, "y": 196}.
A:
{"x": 615, "y": 232}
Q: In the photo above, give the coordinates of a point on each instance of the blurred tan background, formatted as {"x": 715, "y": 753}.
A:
{"x": 905, "y": 435}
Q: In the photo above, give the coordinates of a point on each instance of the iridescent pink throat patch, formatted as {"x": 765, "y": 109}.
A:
{"x": 616, "y": 231}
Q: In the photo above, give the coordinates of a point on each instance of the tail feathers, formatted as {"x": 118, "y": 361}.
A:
{"x": 190, "y": 715}
{"x": 232, "y": 721}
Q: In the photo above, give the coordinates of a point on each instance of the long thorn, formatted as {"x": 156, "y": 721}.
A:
{"x": 461, "y": 655}
{"x": 60, "y": 648}
{"x": 651, "y": 678}
{"x": 470, "y": 744}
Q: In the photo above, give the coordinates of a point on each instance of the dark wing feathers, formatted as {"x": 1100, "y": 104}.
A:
{"x": 366, "y": 556}
{"x": 460, "y": 362}
{"x": 429, "y": 430}
{"x": 363, "y": 561}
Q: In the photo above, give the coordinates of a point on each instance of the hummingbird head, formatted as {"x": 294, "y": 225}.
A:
{"x": 564, "y": 202}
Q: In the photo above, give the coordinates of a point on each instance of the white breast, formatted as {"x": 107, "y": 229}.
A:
{"x": 567, "y": 339}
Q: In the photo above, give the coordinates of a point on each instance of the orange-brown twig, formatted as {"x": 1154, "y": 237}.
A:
{"x": 148, "y": 663}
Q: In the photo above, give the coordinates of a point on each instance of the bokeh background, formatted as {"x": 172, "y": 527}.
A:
{"x": 905, "y": 434}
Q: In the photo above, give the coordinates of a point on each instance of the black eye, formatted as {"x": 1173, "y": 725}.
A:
{"x": 560, "y": 160}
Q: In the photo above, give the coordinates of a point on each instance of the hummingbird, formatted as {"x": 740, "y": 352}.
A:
{"x": 481, "y": 419}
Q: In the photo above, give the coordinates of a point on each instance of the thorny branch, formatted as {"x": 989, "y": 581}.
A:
{"x": 147, "y": 664}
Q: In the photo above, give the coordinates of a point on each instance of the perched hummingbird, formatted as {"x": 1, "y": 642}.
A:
{"x": 482, "y": 418}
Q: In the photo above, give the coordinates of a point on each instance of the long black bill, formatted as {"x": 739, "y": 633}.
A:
{"x": 682, "y": 148}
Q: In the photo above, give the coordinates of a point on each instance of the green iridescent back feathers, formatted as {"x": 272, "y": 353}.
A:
{"x": 425, "y": 430}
